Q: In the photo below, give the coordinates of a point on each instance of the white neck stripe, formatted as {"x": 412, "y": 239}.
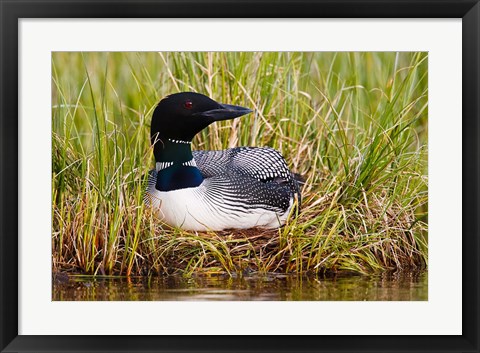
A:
{"x": 180, "y": 141}
{"x": 190, "y": 163}
{"x": 162, "y": 165}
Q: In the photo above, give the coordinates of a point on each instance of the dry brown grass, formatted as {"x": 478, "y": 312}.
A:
{"x": 354, "y": 124}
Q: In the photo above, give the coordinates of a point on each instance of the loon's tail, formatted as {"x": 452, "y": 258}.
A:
{"x": 299, "y": 178}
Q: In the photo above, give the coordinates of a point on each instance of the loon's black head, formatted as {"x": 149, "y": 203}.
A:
{"x": 181, "y": 116}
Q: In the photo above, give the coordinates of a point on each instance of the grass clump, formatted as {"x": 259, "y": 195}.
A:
{"x": 354, "y": 124}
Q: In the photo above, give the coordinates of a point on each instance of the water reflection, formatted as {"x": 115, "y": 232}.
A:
{"x": 401, "y": 286}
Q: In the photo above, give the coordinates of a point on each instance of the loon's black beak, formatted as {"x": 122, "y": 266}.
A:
{"x": 225, "y": 112}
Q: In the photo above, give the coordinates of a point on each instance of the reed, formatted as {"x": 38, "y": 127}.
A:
{"x": 354, "y": 124}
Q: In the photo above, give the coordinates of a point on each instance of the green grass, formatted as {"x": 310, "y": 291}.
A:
{"x": 354, "y": 124}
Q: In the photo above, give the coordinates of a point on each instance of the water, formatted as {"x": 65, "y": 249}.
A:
{"x": 405, "y": 286}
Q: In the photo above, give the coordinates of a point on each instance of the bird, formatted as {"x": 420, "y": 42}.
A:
{"x": 237, "y": 188}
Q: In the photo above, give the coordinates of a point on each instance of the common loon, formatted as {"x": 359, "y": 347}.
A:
{"x": 236, "y": 188}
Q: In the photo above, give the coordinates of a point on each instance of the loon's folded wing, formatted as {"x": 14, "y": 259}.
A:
{"x": 264, "y": 164}
{"x": 241, "y": 194}
{"x": 261, "y": 163}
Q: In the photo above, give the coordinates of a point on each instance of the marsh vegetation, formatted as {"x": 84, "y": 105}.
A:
{"x": 353, "y": 124}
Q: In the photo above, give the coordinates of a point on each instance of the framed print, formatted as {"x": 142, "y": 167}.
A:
{"x": 302, "y": 174}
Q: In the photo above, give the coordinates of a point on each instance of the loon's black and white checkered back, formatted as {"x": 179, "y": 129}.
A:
{"x": 263, "y": 164}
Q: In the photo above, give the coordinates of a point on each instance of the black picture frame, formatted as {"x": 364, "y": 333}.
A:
{"x": 12, "y": 11}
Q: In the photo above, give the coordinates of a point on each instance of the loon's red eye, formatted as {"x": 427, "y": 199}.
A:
{"x": 188, "y": 105}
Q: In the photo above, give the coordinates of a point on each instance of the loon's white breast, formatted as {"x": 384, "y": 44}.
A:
{"x": 207, "y": 207}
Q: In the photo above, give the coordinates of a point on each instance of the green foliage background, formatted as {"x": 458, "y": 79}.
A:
{"x": 355, "y": 124}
